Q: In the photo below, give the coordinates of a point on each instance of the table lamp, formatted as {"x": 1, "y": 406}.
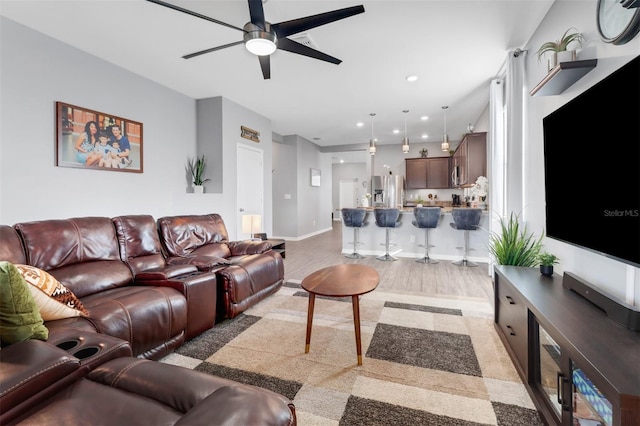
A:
{"x": 251, "y": 225}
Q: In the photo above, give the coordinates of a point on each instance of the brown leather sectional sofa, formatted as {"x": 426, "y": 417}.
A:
{"x": 144, "y": 301}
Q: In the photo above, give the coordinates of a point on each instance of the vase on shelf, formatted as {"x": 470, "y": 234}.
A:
{"x": 198, "y": 189}
{"x": 364, "y": 202}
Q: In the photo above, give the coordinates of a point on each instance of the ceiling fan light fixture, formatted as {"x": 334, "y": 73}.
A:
{"x": 260, "y": 43}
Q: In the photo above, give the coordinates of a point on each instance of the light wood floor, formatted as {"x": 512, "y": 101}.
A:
{"x": 404, "y": 275}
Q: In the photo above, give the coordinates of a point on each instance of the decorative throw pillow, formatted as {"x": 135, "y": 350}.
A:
{"x": 19, "y": 315}
{"x": 54, "y": 299}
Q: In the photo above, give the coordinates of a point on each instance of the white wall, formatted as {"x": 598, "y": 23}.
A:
{"x": 621, "y": 280}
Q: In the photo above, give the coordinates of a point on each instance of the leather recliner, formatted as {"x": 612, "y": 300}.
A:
{"x": 140, "y": 248}
{"x": 44, "y": 384}
{"x": 254, "y": 271}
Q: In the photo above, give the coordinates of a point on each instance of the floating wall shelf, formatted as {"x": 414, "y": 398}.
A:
{"x": 562, "y": 76}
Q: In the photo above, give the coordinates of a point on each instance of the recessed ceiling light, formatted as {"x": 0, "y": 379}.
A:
{"x": 396, "y": 131}
{"x": 425, "y": 136}
{"x": 359, "y": 124}
{"x": 341, "y": 160}
{"x": 424, "y": 117}
{"x": 411, "y": 78}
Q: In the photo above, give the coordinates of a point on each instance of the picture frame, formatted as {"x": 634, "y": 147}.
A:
{"x": 315, "y": 177}
{"x": 90, "y": 139}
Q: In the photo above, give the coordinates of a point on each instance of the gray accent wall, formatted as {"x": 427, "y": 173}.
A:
{"x": 36, "y": 72}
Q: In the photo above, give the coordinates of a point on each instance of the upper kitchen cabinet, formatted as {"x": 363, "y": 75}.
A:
{"x": 416, "y": 173}
{"x": 469, "y": 160}
{"x": 432, "y": 173}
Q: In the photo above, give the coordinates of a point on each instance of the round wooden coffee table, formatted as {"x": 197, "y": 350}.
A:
{"x": 348, "y": 280}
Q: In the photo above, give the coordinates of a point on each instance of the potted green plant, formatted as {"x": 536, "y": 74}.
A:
{"x": 555, "y": 47}
{"x": 196, "y": 168}
{"x": 513, "y": 245}
{"x": 546, "y": 261}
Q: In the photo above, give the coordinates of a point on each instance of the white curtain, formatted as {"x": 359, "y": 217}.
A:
{"x": 497, "y": 168}
{"x": 506, "y": 141}
{"x": 515, "y": 91}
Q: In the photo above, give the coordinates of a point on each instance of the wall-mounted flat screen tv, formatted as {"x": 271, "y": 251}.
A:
{"x": 592, "y": 167}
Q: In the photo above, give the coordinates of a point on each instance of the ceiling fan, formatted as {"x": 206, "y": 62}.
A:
{"x": 262, "y": 38}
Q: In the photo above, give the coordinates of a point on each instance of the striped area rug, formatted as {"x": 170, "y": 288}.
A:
{"x": 428, "y": 360}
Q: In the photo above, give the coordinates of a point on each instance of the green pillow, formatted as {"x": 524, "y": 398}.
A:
{"x": 19, "y": 315}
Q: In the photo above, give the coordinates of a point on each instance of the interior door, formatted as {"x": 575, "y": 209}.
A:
{"x": 348, "y": 194}
{"x": 250, "y": 187}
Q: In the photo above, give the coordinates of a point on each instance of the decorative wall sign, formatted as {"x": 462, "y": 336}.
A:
{"x": 250, "y": 134}
{"x": 90, "y": 139}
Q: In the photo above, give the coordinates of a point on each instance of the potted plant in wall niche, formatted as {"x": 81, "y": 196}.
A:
{"x": 196, "y": 168}
{"x": 546, "y": 261}
{"x": 559, "y": 49}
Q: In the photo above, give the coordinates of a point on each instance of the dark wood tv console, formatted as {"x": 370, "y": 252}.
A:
{"x": 575, "y": 361}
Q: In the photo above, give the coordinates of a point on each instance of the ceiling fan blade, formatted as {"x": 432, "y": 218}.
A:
{"x": 257, "y": 13}
{"x": 287, "y": 28}
{"x": 295, "y": 47}
{"x": 192, "y": 13}
{"x": 213, "y": 49}
{"x": 265, "y": 64}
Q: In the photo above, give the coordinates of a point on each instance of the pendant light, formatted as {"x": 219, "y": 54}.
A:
{"x": 405, "y": 140}
{"x": 445, "y": 138}
{"x": 372, "y": 141}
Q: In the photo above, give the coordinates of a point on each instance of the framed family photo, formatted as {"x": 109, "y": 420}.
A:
{"x": 91, "y": 139}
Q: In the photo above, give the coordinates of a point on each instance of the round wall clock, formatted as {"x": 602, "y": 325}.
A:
{"x": 618, "y": 24}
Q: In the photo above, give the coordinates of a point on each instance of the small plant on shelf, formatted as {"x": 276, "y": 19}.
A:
{"x": 546, "y": 261}
{"x": 196, "y": 167}
{"x": 562, "y": 44}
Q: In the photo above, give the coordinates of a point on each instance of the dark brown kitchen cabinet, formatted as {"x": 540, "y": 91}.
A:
{"x": 416, "y": 173}
{"x": 438, "y": 172}
{"x": 422, "y": 173}
{"x": 469, "y": 161}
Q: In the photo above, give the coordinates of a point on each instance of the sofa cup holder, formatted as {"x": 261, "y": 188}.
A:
{"x": 87, "y": 352}
{"x": 80, "y": 348}
{"x": 68, "y": 344}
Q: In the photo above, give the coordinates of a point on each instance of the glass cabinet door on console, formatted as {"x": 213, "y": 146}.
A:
{"x": 590, "y": 406}
{"x": 569, "y": 394}
{"x": 549, "y": 376}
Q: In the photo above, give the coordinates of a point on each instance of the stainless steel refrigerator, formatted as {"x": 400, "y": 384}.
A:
{"x": 388, "y": 191}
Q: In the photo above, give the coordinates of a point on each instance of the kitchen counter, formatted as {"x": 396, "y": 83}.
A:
{"x": 406, "y": 237}
{"x": 408, "y": 209}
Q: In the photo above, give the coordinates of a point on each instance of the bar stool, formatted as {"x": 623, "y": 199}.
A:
{"x": 465, "y": 220}
{"x": 354, "y": 218}
{"x": 426, "y": 218}
{"x": 387, "y": 218}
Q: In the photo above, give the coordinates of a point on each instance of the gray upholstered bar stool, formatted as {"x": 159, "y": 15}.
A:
{"x": 426, "y": 218}
{"x": 465, "y": 220}
{"x": 354, "y": 218}
{"x": 387, "y": 218}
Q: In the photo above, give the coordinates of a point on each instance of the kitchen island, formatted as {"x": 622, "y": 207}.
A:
{"x": 447, "y": 242}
